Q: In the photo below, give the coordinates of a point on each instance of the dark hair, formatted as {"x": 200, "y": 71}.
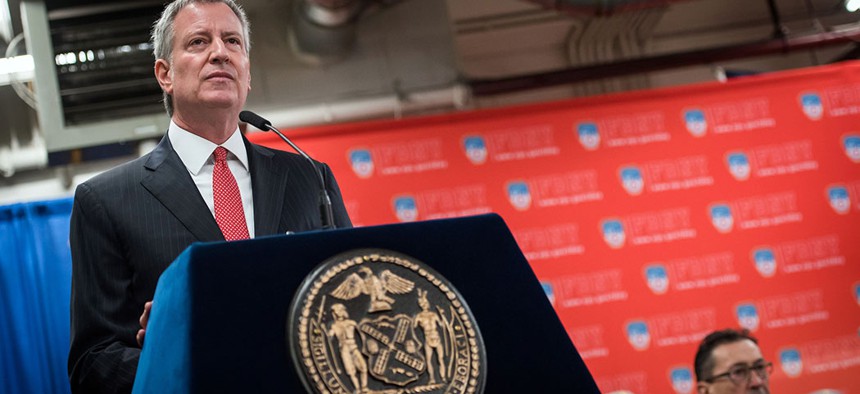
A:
{"x": 704, "y": 363}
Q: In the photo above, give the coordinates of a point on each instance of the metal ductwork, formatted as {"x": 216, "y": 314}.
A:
{"x": 323, "y": 31}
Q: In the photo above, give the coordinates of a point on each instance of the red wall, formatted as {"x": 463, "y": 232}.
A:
{"x": 793, "y": 200}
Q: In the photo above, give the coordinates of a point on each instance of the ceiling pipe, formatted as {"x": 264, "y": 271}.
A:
{"x": 779, "y": 30}
{"x": 489, "y": 87}
{"x": 601, "y": 7}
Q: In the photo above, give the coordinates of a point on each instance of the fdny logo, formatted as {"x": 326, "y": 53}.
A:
{"x": 655, "y": 276}
{"x": 857, "y": 293}
{"x": 405, "y": 209}
{"x": 362, "y": 162}
{"x": 765, "y": 262}
{"x": 476, "y": 149}
{"x": 519, "y": 195}
{"x": 637, "y": 335}
{"x": 547, "y": 289}
{"x": 851, "y": 143}
{"x": 696, "y": 123}
{"x": 811, "y": 104}
{"x": 613, "y": 233}
{"x": 682, "y": 380}
{"x": 721, "y": 218}
{"x": 839, "y": 201}
{"x": 631, "y": 180}
{"x": 790, "y": 362}
{"x": 747, "y": 316}
{"x": 589, "y": 137}
{"x": 739, "y": 165}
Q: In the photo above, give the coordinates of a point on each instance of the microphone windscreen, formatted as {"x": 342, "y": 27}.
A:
{"x": 254, "y": 120}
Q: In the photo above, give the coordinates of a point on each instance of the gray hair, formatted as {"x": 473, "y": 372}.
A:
{"x": 163, "y": 33}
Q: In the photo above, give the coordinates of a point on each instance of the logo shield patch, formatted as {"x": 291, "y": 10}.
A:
{"x": 476, "y": 149}
{"x": 721, "y": 218}
{"x": 361, "y": 162}
{"x": 588, "y": 135}
{"x": 839, "y": 200}
{"x": 739, "y": 165}
{"x": 765, "y": 262}
{"x": 631, "y": 180}
{"x": 405, "y": 209}
{"x": 851, "y": 144}
{"x": 811, "y": 105}
{"x": 696, "y": 123}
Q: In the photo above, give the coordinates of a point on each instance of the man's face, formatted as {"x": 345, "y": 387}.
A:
{"x": 209, "y": 66}
{"x": 728, "y": 356}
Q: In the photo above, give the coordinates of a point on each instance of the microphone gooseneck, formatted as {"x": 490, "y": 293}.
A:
{"x": 261, "y": 123}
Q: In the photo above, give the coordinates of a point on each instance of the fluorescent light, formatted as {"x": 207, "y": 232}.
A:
{"x": 852, "y": 5}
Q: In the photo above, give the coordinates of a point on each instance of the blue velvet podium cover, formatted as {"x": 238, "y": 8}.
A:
{"x": 219, "y": 317}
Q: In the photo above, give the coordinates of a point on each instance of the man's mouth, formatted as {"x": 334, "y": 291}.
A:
{"x": 218, "y": 75}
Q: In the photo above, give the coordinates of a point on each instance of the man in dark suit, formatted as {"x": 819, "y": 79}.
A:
{"x": 128, "y": 224}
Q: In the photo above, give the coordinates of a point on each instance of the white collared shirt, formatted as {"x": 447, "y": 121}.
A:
{"x": 196, "y": 153}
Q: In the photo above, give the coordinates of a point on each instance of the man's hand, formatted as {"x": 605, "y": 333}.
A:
{"x": 144, "y": 319}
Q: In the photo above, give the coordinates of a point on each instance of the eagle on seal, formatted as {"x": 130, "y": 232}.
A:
{"x": 376, "y": 287}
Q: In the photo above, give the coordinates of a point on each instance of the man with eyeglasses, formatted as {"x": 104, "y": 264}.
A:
{"x": 730, "y": 361}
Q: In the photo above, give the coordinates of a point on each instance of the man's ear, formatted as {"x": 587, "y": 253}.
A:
{"x": 702, "y": 388}
{"x": 164, "y": 76}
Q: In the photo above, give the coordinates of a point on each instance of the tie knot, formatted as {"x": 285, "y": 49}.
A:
{"x": 220, "y": 154}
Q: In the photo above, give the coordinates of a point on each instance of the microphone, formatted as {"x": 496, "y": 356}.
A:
{"x": 325, "y": 201}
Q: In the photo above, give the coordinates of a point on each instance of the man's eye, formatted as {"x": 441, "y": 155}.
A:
{"x": 197, "y": 41}
{"x": 739, "y": 371}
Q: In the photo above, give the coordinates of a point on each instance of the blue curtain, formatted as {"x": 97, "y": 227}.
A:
{"x": 35, "y": 282}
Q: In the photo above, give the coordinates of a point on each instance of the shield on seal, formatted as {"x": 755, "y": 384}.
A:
{"x": 394, "y": 353}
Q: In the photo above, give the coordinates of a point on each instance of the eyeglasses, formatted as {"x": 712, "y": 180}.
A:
{"x": 741, "y": 374}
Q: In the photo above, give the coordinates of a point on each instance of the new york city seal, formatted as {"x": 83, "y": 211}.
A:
{"x": 377, "y": 321}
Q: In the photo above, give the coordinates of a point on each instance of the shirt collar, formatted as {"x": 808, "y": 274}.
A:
{"x": 195, "y": 151}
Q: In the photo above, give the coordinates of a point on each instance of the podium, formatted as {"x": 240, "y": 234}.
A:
{"x": 219, "y": 318}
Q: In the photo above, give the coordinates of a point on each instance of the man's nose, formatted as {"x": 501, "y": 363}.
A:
{"x": 756, "y": 380}
{"x": 219, "y": 53}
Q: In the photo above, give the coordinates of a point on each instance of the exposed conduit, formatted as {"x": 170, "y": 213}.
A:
{"x": 488, "y": 87}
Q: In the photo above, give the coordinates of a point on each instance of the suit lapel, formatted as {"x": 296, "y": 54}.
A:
{"x": 169, "y": 182}
{"x": 269, "y": 183}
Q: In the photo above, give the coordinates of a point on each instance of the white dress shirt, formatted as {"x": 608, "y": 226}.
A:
{"x": 196, "y": 153}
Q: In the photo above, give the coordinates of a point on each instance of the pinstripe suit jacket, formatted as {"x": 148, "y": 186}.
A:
{"x": 128, "y": 224}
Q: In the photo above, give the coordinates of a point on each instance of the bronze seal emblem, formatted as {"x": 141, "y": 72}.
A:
{"x": 377, "y": 321}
